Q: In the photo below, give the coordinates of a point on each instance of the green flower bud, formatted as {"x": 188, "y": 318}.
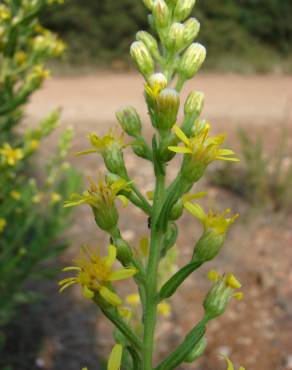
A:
{"x": 142, "y": 58}
{"x": 220, "y": 294}
{"x": 167, "y": 108}
{"x": 194, "y": 103}
{"x": 176, "y": 210}
{"x": 183, "y": 9}
{"x": 149, "y": 4}
{"x": 191, "y": 30}
{"x": 161, "y": 14}
{"x": 192, "y": 60}
{"x": 130, "y": 121}
{"x": 124, "y": 251}
{"x": 175, "y": 39}
{"x": 208, "y": 246}
{"x": 197, "y": 351}
{"x": 150, "y": 43}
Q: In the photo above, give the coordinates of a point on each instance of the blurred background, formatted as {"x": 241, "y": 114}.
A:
{"x": 248, "y": 87}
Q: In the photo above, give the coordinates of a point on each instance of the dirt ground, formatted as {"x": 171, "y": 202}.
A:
{"x": 256, "y": 332}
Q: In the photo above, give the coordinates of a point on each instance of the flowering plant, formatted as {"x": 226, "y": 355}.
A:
{"x": 31, "y": 211}
{"x": 165, "y": 66}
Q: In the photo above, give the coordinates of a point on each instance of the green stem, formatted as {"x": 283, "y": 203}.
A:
{"x": 151, "y": 276}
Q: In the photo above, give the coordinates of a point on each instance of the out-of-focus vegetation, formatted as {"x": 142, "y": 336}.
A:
{"x": 31, "y": 207}
{"x": 251, "y": 35}
{"x": 264, "y": 179}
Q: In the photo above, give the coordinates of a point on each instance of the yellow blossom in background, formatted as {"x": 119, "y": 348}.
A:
{"x": 164, "y": 309}
{"x": 5, "y": 13}
{"x": 34, "y": 145}
{"x": 115, "y": 359}
{"x": 230, "y": 365}
{"x": 37, "y": 198}
{"x": 11, "y": 156}
{"x": 15, "y": 195}
{"x": 218, "y": 222}
{"x": 94, "y": 274}
{"x": 55, "y": 197}
{"x": 202, "y": 147}
{"x": 3, "y": 224}
{"x": 133, "y": 299}
{"x": 20, "y": 57}
{"x": 39, "y": 72}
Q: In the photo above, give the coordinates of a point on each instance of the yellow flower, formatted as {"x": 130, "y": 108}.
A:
{"x": 34, "y": 144}
{"x": 15, "y": 195}
{"x": 95, "y": 275}
{"x": 3, "y": 224}
{"x": 202, "y": 147}
{"x": 20, "y": 57}
{"x": 230, "y": 365}
{"x": 164, "y": 309}
{"x": 155, "y": 84}
{"x": 37, "y": 198}
{"x": 39, "y": 73}
{"x": 217, "y": 222}
{"x": 101, "y": 198}
{"x": 11, "y": 156}
{"x": 109, "y": 141}
{"x": 133, "y": 299}
{"x": 115, "y": 359}
{"x": 221, "y": 292}
{"x": 55, "y": 197}
{"x": 5, "y": 13}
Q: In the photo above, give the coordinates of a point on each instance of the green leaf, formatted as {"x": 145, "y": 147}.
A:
{"x": 177, "y": 279}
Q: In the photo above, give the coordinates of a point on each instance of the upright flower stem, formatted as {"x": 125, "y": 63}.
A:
{"x": 151, "y": 276}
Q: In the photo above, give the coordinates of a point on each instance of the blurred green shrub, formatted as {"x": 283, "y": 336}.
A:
{"x": 31, "y": 205}
{"x": 261, "y": 179}
{"x": 257, "y": 33}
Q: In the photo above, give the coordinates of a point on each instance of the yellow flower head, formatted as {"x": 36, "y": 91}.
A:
{"x": 55, "y": 197}
{"x": 217, "y": 222}
{"x": 156, "y": 83}
{"x": 15, "y": 195}
{"x": 20, "y": 57}
{"x": 5, "y": 13}
{"x": 221, "y": 292}
{"x": 201, "y": 147}
{"x": 101, "y": 195}
{"x": 95, "y": 275}
{"x": 3, "y": 224}
{"x": 164, "y": 309}
{"x": 10, "y": 156}
{"x": 112, "y": 140}
{"x": 230, "y": 364}
{"x": 39, "y": 73}
{"x": 133, "y": 299}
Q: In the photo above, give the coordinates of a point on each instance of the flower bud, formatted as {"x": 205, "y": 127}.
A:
{"x": 220, "y": 294}
{"x": 208, "y": 246}
{"x": 106, "y": 218}
{"x": 171, "y": 3}
{"x": 161, "y": 14}
{"x": 139, "y": 147}
{"x": 156, "y": 83}
{"x": 149, "y": 4}
{"x": 197, "y": 351}
{"x": 183, "y": 9}
{"x": 150, "y": 43}
{"x": 130, "y": 121}
{"x": 192, "y": 60}
{"x": 124, "y": 251}
{"x": 191, "y": 30}
{"x": 194, "y": 103}
{"x": 167, "y": 108}
{"x": 175, "y": 39}
{"x": 176, "y": 210}
{"x": 142, "y": 58}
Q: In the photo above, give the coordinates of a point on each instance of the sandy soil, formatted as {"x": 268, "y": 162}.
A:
{"x": 256, "y": 332}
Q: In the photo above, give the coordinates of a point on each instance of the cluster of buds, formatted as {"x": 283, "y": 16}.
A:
{"x": 165, "y": 64}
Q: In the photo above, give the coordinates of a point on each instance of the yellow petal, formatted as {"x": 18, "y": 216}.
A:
{"x": 164, "y": 309}
{"x": 179, "y": 149}
{"x": 196, "y": 210}
{"x": 213, "y": 275}
{"x": 112, "y": 255}
{"x": 110, "y": 296}
{"x": 125, "y": 313}
{"x": 123, "y": 199}
{"x": 229, "y": 364}
{"x": 144, "y": 246}
{"x": 232, "y": 282}
{"x": 133, "y": 299}
{"x": 188, "y": 197}
{"x": 227, "y": 159}
{"x": 89, "y": 151}
{"x": 122, "y": 274}
{"x": 180, "y": 134}
{"x": 115, "y": 359}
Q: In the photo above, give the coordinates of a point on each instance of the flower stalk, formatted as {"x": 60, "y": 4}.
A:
{"x": 166, "y": 59}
